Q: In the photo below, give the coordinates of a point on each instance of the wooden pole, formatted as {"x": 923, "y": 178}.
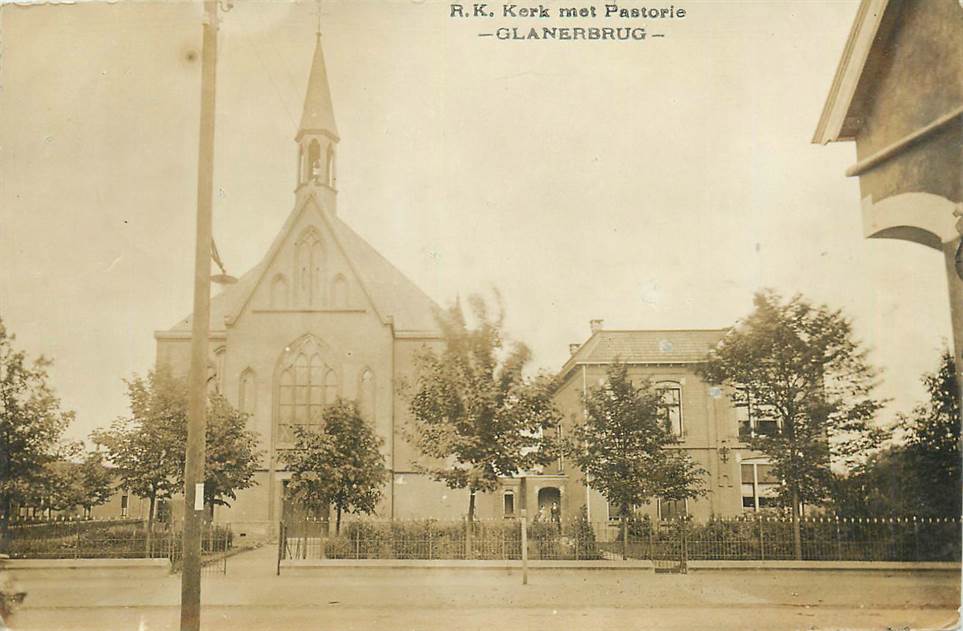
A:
{"x": 197, "y": 402}
{"x": 955, "y": 289}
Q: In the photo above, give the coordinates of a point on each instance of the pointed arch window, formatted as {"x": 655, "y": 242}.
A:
{"x": 247, "y": 393}
{"x": 330, "y": 387}
{"x": 218, "y": 381}
{"x": 329, "y": 163}
{"x": 279, "y": 292}
{"x": 309, "y": 256}
{"x": 339, "y": 292}
{"x": 366, "y": 394}
{"x": 300, "y": 396}
{"x": 313, "y": 167}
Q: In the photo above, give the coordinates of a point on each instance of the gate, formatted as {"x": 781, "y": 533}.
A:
{"x": 669, "y": 546}
{"x": 217, "y": 541}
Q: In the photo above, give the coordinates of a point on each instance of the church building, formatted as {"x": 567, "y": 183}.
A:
{"x": 322, "y": 315}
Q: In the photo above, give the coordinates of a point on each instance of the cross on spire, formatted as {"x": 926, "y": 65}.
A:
{"x": 318, "y": 33}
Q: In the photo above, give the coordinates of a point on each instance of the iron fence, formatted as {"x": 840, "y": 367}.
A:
{"x": 114, "y": 540}
{"x": 669, "y": 544}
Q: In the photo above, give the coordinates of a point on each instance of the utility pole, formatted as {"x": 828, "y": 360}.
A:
{"x": 197, "y": 403}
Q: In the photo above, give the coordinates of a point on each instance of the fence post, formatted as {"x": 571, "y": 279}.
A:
{"x": 762, "y": 538}
{"x": 77, "y": 547}
{"x": 652, "y": 527}
{"x": 468, "y": 535}
{"x": 524, "y": 547}
{"x": 685, "y": 547}
{"x": 839, "y": 543}
{"x": 625, "y": 537}
{"x": 282, "y": 544}
{"x": 916, "y": 538}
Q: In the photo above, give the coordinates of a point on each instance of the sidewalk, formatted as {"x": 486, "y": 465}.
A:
{"x": 250, "y": 596}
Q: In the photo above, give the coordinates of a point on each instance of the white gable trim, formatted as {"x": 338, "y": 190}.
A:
{"x": 850, "y": 70}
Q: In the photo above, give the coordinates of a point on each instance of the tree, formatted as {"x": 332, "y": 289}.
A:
{"x": 800, "y": 365}
{"x": 31, "y": 426}
{"x": 341, "y": 465}
{"x": 623, "y": 447}
{"x": 231, "y": 454}
{"x": 95, "y": 480}
{"x": 148, "y": 446}
{"x": 932, "y": 446}
{"x": 475, "y": 416}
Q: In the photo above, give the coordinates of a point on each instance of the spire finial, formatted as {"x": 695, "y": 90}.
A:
{"x": 318, "y": 33}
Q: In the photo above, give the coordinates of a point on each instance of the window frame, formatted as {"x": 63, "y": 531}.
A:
{"x": 666, "y": 385}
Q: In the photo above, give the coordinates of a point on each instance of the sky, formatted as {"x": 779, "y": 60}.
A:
{"x": 653, "y": 184}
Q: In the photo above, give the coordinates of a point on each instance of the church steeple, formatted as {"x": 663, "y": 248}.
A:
{"x": 317, "y": 137}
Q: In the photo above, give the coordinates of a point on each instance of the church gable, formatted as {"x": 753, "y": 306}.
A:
{"x": 307, "y": 270}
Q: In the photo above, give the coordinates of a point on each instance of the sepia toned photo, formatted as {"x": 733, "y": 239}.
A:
{"x": 408, "y": 314}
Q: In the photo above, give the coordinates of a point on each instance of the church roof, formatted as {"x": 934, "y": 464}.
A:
{"x": 393, "y": 294}
{"x": 674, "y": 346}
{"x": 318, "y": 112}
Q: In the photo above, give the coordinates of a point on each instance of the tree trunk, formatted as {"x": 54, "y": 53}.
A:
{"x": 337, "y": 520}
{"x": 5, "y": 525}
{"x": 796, "y": 535}
{"x": 150, "y": 525}
{"x": 471, "y": 506}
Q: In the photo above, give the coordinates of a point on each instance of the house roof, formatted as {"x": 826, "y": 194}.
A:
{"x": 673, "y": 346}
{"x": 396, "y": 298}
{"x": 840, "y": 118}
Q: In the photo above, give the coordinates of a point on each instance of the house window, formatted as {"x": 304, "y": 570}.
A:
{"x": 615, "y": 510}
{"x": 748, "y": 417}
{"x": 670, "y": 406}
{"x": 672, "y": 509}
{"x": 124, "y": 505}
{"x": 759, "y": 485}
{"x": 509, "y": 503}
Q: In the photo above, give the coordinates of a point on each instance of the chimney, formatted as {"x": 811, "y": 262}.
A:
{"x": 573, "y": 348}
{"x": 596, "y": 325}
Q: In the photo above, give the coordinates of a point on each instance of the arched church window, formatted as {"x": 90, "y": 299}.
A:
{"x": 315, "y": 168}
{"x": 279, "y": 292}
{"x": 300, "y": 396}
{"x": 218, "y": 381}
{"x": 309, "y": 255}
{"x": 339, "y": 292}
{"x": 330, "y": 387}
{"x": 246, "y": 400}
{"x": 317, "y": 273}
{"x": 329, "y": 166}
{"x": 366, "y": 394}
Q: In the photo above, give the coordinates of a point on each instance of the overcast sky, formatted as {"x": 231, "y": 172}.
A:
{"x": 655, "y": 184}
